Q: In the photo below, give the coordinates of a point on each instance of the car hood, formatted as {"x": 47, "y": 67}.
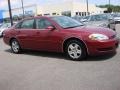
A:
{"x": 1, "y": 29}
{"x": 97, "y": 23}
{"x": 116, "y": 18}
{"x": 87, "y": 30}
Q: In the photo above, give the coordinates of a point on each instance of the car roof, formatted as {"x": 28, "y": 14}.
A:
{"x": 43, "y": 17}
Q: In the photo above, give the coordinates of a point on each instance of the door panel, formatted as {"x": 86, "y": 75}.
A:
{"x": 48, "y": 40}
{"x": 26, "y": 33}
{"x": 27, "y": 38}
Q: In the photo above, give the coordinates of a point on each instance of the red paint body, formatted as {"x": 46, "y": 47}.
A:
{"x": 53, "y": 40}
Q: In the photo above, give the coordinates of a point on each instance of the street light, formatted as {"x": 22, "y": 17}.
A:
{"x": 9, "y": 7}
{"x": 109, "y": 8}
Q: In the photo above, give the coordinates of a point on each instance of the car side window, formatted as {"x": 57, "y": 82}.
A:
{"x": 92, "y": 18}
{"x": 42, "y": 23}
{"x": 28, "y": 24}
{"x": 18, "y": 26}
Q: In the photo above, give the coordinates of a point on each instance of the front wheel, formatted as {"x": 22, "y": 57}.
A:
{"x": 15, "y": 47}
{"x": 75, "y": 50}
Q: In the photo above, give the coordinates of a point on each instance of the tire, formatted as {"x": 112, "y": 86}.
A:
{"x": 2, "y": 34}
{"x": 15, "y": 46}
{"x": 75, "y": 50}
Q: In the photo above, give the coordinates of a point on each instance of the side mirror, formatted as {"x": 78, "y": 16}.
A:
{"x": 50, "y": 28}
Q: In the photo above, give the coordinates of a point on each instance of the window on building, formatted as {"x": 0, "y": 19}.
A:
{"x": 39, "y": 15}
{"x": 80, "y": 13}
{"x": 85, "y": 13}
{"x": 46, "y": 14}
{"x": 66, "y": 13}
{"x": 77, "y": 13}
{"x": 53, "y": 13}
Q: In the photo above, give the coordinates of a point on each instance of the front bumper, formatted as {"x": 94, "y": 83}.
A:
{"x": 102, "y": 47}
{"x": 117, "y": 22}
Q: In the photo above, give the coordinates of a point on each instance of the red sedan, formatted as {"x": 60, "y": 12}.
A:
{"x": 60, "y": 34}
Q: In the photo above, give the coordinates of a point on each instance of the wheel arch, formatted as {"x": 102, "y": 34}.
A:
{"x": 11, "y": 40}
{"x": 74, "y": 38}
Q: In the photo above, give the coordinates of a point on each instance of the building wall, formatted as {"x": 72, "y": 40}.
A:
{"x": 55, "y": 8}
{"x": 68, "y": 6}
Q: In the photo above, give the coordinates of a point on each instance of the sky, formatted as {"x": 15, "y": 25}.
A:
{"x": 17, "y": 3}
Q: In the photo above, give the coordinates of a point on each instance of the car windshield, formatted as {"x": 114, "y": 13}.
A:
{"x": 101, "y": 17}
{"x": 104, "y": 17}
{"x": 66, "y": 22}
{"x": 86, "y": 17}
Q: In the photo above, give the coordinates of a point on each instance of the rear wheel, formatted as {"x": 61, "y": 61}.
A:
{"x": 75, "y": 50}
{"x": 15, "y": 47}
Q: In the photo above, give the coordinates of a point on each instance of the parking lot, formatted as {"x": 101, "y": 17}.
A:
{"x": 33, "y": 70}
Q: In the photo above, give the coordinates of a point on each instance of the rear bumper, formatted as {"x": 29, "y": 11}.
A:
{"x": 102, "y": 47}
{"x": 6, "y": 40}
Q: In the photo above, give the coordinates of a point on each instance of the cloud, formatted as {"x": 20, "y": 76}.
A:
{"x": 4, "y": 3}
{"x": 17, "y": 3}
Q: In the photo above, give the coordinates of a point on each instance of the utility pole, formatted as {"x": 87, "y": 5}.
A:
{"x": 87, "y": 7}
{"x": 23, "y": 8}
{"x": 109, "y": 7}
{"x": 9, "y": 7}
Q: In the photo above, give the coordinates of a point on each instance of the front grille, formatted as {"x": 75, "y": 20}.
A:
{"x": 117, "y": 22}
{"x": 106, "y": 49}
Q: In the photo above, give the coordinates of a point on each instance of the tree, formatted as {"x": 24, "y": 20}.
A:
{"x": 110, "y": 8}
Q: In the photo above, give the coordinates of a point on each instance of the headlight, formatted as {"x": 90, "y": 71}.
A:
{"x": 98, "y": 37}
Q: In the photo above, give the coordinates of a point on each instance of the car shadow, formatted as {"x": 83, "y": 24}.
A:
{"x": 62, "y": 56}
{"x": 40, "y": 53}
{"x": 101, "y": 57}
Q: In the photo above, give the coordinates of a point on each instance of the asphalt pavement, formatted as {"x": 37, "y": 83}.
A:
{"x": 34, "y": 70}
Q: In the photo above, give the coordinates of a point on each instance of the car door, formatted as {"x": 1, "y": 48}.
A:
{"x": 26, "y": 34}
{"x": 48, "y": 40}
